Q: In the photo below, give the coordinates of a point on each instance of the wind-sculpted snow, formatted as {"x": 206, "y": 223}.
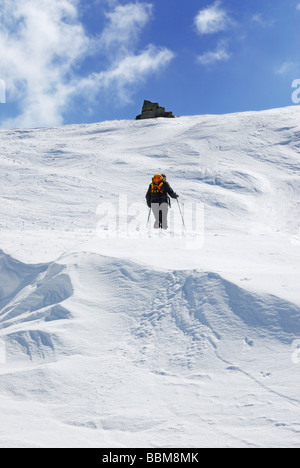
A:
{"x": 194, "y": 309}
{"x": 151, "y": 341}
{"x": 31, "y": 295}
{"x": 183, "y": 339}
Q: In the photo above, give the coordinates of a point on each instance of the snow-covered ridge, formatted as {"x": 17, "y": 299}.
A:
{"x": 126, "y": 342}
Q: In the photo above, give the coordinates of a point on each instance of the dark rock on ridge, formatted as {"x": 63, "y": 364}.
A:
{"x": 152, "y": 110}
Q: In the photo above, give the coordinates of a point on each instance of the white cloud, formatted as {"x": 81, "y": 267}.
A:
{"x": 120, "y": 38}
{"x": 137, "y": 66}
{"x": 298, "y": 6}
{"x": 40, "y": 44}
{"x": 258, "y": 19}
{"x": 212, "y": 19}
{"x": 125, "y": 24}
{"x": 43, "y": 43}
{"x": 288, "y": 68}
{"x": 131, "y": 70}
{"x": 212, "y": 57}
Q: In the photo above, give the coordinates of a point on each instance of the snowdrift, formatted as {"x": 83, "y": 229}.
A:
{"x": 31, "y": 294}
{"x": 141, "y": 342}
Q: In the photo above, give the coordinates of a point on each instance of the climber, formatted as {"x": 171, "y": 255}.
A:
{"x": 158, "y": 199}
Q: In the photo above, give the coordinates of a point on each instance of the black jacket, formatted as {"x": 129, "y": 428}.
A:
{"x": 160, "y": 197}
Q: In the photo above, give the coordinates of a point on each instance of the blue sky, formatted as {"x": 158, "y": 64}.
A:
{"x": 74, "y": 61}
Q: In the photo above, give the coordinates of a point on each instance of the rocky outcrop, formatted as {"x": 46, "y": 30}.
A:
{"x": 152, "y": 110}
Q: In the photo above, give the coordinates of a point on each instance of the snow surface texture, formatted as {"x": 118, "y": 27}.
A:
{"x": 116, "y": 342}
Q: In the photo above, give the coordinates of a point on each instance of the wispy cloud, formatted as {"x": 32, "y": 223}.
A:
{"x": 125, "y": 23}
{"x": 128, "y": 66}
{"x": 126, "y": 73}
{"x": 212, "y": 57}
{"x": 43, "y": 44}
{"x": 40, "y": 44}
{"x": 212, "y": 19}
{"x": 258, "y": 19}
{"x": 289, "y": 68}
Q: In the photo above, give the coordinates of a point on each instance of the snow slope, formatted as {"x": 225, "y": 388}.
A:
{"x": 144, "y": 342}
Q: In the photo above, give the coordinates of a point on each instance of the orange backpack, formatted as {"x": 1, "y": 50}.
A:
{"x": 157, "y": 187}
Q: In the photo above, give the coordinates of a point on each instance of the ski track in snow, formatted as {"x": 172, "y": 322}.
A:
{"x": 144, "y": 342}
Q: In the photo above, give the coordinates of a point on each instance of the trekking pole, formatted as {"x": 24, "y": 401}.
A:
{"x": 181, "y": 214}
{"x": 148, "y": 217}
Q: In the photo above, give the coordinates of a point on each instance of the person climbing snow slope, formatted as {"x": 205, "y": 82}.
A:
{"x": 158, "y": 199}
